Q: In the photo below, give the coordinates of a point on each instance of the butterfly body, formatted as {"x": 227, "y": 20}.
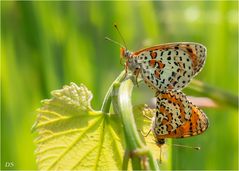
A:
{"x": 168, "y": 66}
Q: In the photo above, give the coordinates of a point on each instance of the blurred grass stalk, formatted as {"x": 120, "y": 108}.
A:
{"x": 218, "y": 95}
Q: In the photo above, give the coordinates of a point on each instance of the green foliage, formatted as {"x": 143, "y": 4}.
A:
{"x": 45, "y": 45}
{"x": 72, "y": 136}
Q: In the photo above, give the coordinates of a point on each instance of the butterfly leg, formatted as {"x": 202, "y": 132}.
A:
{"x": 145, "y": 135}
{"x": 126, "y": 70}
{"x": 136, "y": 73}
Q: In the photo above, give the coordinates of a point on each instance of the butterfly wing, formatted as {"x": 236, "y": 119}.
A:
{"x": 170, "y": 66}
{"x": 176, "y": 117}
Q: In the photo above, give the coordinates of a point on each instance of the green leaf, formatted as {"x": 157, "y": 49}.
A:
{"x": 73, "y": 136}
{"x": 142, "y": 118}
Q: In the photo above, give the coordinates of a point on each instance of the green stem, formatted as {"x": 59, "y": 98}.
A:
{"x": 107, "y": 100}
{"x": 214, "y": 93}
{"x": 125, "y": 160}
{"x": 122, "y": 103}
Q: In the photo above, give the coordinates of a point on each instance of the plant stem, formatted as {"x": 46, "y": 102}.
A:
{"x": 214, "y": 93}
{"x": 122, "y": 103}
{"x": 125, "y": 160}
{"x": 107, "y": 100}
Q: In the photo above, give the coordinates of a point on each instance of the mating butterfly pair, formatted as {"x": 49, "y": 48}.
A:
{"x": 168, "y": 68}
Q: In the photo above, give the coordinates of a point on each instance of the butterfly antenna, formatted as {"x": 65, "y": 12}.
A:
{"x": 111, "y": 40}
{"x": 160, "y": 159}
{"x": 116, "y": 27}
{"x": 185, "y": 146}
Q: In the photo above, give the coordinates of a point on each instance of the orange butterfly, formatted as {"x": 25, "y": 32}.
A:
{"x": 168, "y": 66}
{"x": 176, "y": 117}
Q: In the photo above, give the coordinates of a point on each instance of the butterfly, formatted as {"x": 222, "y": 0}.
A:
{"x": 176, "y": 117}
{"x": 168, "y": 66}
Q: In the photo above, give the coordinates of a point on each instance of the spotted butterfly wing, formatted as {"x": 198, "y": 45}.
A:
{"x": 176, "y": 117}
{"x": 169, "y": 66}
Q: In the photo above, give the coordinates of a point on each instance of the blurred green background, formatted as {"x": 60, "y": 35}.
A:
{"x": 45, "y": 45}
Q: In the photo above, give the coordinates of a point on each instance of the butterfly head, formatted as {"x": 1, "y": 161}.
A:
{"x": 124, "y": 53}
{"x": 159, "y": 142}
{"x": 130, "y": 62}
